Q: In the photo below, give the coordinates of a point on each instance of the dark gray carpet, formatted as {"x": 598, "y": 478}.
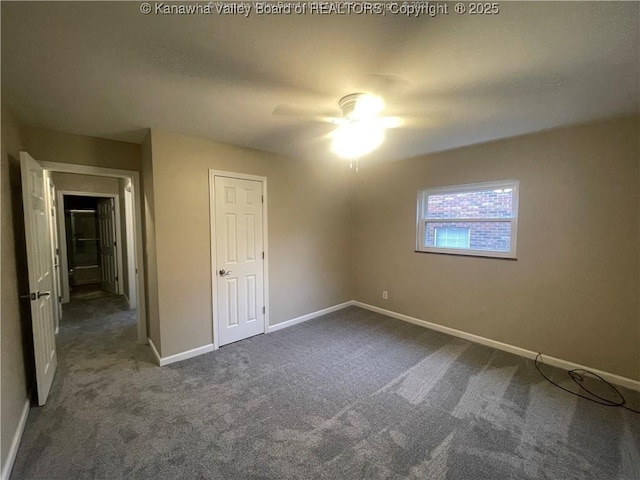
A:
{"x": 351, "y": 395}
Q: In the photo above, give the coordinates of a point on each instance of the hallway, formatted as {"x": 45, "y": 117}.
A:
{"x": 97, "y": 351}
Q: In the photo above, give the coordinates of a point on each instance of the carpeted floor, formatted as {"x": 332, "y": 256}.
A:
{"x": 351, "y": 395}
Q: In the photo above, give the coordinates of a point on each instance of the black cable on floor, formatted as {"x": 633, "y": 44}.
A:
{"x": 577, "y": 375}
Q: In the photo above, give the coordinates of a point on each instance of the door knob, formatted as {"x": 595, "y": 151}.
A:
{"x": 224, "y": 273}
{"x": 43, "y": 294}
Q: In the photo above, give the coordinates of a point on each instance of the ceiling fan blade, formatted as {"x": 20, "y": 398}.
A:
{"x": 288, "y": 111}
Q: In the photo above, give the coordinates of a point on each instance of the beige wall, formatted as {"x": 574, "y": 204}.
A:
{"x": 572, "y": 293}
{"x": 84, "y": 183}
{"x": 309, "y": 234}
{"x": 149, "y": 239}
{"x": 51, "y": 146}
{"x": 13, "y": 370}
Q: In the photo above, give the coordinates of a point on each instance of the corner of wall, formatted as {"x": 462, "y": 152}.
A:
{"x": 149, "y": 239}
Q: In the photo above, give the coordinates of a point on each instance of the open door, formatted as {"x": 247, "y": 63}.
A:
{"x": 107, "y": 227}
{"x": 40, "y": 266}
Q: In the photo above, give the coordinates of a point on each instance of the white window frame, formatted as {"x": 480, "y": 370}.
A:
{"x": 421, "y": 220}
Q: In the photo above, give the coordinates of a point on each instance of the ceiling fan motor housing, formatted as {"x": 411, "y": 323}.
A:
{"x": 348, "y": 104}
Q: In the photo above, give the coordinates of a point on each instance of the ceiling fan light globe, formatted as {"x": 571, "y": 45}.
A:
{"x": 355, "y": 139}
{"x": 367, "y": 106}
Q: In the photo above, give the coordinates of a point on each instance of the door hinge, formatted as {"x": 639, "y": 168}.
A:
{"x": 57, "y": 251}
{"x": 115, "y": 243}
{"x": 263, "y": 255}
{"x": 262, "y": 198}
{"x": 264, "y": 310}
{"x": 116, "y": 278}
{"x": 60, "y": 299}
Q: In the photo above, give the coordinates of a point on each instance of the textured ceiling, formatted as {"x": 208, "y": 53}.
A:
{"x": 107, "y": 70}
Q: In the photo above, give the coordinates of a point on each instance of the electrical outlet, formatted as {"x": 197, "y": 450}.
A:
{"x": 385, "y": 295}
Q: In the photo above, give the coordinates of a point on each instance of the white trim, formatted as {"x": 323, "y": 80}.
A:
{"x": 155, "y": 352}
{"x": 522, "y": 352}
{"x": 308, "y": 316}
{"x": 62, "y": 239}
{"x": 265, "y": 246}
{"x": 88, "y": 170}
{"x": 162, "y": 361}
{"x": 141, "y": 313}
{"x": 130, "y": 243}
{"x": 178, "y": 357}
{"x": 15, "y": 443}
{"x": 141, "y": 306}
{"x": 422, "y": 220}
{"x": 127, "y": 300}
{"x": 505, "y": 347}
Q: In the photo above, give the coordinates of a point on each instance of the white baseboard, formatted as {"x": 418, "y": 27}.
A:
{"x": 162, "y": 361}
{"x": 15, "y": 443}
{"x": 194, "y": 352}
{"x": 522, "y": 352}
{"x": 548, "y": 360}
{"x": 127, "y": 299}
{"x": 308, "y": 316}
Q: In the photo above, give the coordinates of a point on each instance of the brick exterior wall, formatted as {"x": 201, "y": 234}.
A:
{"x": 494, "y": 236}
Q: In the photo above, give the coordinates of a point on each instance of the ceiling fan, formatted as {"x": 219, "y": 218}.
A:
{"x": 362, "y": 126}
{"x": 359, "y": 131}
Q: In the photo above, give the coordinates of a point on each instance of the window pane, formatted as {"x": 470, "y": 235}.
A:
{"x": 487, "y": 236}
{"x": 480, "y": 204}
{"x": 451, "y": 237}
{"x": 86, "y": 253}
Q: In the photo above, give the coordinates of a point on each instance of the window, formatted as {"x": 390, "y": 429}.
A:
{"x": 476, "y": 219}
{"x": 451, "y": 237}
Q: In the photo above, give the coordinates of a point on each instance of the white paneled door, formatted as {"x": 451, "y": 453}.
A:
{"x": 40, "y": 266}
{"x": 239, "y": 259}
{"x": 107, "y": 233}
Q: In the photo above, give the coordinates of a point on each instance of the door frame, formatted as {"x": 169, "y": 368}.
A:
{"x": 137, "y": 213}
{"x": 63, "y": 237}
{"x": 212, "y": 231}
{"x": 129, "y": 234}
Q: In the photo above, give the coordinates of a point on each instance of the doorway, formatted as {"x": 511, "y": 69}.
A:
{"x": 95, "y": 234}
{"x": 125, "y": 252}
{"x": 92, "y": 246}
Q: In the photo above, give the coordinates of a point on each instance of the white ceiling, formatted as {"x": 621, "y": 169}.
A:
{"x": 106, "y": 70}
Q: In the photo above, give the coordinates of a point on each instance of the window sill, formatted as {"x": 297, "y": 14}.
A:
{"x": 466, "y": 254}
